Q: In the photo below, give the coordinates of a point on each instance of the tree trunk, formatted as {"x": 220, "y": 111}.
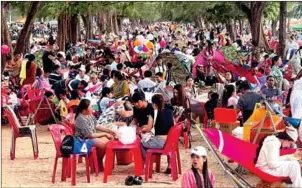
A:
{"x": 255, "y": 20}
{"x": 255, "y": 14}
{"x": 119, "y": 22}
{"x": 274, "y": 25}
{"x": 74, "y": 21}
{"x": 288, "y": 25}
{"x": 116, "y": 24}
{"x": 5, "y": 36}
{"x": 101, "y": 22}
{"x": 282, "y": 28}
{"x": 62, "y": 31}
{"x": 25, "y": 32}
{"x": 241, "y": 27}
{"x": 87, "y": 20}
{"x": 263, "y": 39}
{"x": 198, "y": 21}
{"x": 231, "y": 30}
{"x": 109, "y": 24}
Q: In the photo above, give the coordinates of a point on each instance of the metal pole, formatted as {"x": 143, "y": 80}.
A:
{"x": 233, "y": 179}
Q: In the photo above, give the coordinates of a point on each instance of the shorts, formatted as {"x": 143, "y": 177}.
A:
{"x": 91, "y": 141}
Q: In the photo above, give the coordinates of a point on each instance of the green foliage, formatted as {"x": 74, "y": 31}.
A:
{"x": 271, "y": 11}
{"x": 295, "y": 10}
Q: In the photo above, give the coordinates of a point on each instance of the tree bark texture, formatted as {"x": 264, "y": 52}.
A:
{"x": 87, "y": 20}
{"x": 288, "y": 25}
{"x": 74, "y": 21}
{"x": 198, "y": 21}
{"x": 274, "y": 26}
{"x": 282, "y": 28}
{"x": 109, "y": 24}
{"x": 255, "y": 16}
{"x": 231, "y": 28}
{"x": 62, "y": 31}
{"x": 241, "y": 27}
{"x": 115, "y": 23}
{"x": 5, "y": 36}
{"x": 25, "y": 32}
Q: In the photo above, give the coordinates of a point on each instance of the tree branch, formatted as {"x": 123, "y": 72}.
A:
{"x": 244, "y": 8}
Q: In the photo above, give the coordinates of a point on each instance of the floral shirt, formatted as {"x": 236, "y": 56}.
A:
{"x": 276, "y": 72}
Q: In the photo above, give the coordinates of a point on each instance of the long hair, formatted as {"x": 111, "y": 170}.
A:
{"x": 227, "y": 93}
{"x": 158, "y": 99}
{"x": 84, "y": 104}
{"x": 275, "y": 59}
{"x": 209, "y": 48}
{"x": 205, "y": 174}
{"x": 181, "y": 98}
{"x": 282, "y": 135}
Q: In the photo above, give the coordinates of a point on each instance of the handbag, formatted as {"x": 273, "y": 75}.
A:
{"x": 82, "y": 146}
{"x": 75, "y": 145}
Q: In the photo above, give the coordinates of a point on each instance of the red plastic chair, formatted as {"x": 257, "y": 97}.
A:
{"x": 170, "y": 149}
{"x": 68, "y": 164}
{"x": 225, "y": 116}
{"x": 186, "y": 134}
{"x": 244, "y": 153}
{"x": 93, "y": 164}
{"x": 18, "y": 131}
{"x": 55, "y": 131}
{"x": 114, "y": 146}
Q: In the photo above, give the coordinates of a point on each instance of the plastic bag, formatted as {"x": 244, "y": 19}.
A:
{"x": 126, "y": 135}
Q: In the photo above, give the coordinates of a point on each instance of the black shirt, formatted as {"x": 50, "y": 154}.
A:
{"x": 164, "y": 120}
{"x": 142, "y": 115}
{"x": 195, "y": 52}
{"x": 47, "y": 63}
{"x": 54, "y": 77}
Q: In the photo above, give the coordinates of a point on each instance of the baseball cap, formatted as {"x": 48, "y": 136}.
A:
{"x": 199, "y": 151}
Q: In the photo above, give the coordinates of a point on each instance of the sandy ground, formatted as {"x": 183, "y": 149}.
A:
{"x": 24, "y": 171}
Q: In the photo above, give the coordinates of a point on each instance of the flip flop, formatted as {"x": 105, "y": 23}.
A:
{"x": 129, "y": 181}
{"x": 138, "y": 180}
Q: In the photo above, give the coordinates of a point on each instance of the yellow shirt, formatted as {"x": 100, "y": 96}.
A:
{"x": 63, "y": 108}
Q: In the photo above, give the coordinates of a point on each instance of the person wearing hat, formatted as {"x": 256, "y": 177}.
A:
{"x": 123, "y": 54}
{"x": 199, "y": 176}
{"x": 268, "y": 157}
{"x": 82, "y": 75}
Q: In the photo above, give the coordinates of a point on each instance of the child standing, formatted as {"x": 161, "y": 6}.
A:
{"x": 62, "y": 107}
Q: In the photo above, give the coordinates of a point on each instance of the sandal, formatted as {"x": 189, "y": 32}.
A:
{"x": 138, "y": 180}
{"x": 129, "y": 181}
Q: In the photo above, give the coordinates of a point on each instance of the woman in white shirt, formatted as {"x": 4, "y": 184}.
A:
{"x": 268, "y": 157}
{"x": 229, "y": 97}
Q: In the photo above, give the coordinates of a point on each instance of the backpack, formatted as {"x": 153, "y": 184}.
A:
{"x": 67, "y": 145}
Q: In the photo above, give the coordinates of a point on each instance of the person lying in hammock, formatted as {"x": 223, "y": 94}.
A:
{"x": 268, "y": 157}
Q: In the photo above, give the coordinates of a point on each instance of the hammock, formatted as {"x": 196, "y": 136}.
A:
{"x": 243, "y": 153}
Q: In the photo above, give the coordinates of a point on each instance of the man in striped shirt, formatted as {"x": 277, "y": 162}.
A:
{"x": 56, "y": 75}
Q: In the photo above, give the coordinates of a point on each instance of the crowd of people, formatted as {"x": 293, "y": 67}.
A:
{"x": 114, "y": 80}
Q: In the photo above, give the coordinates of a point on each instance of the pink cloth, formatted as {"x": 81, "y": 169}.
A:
{"x": 188, "y": 179}
{"x": 218, "y": 58}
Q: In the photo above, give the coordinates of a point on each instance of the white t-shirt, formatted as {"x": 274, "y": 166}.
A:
{"x": 233, "y": 101}
{"x": 86, "y": 78}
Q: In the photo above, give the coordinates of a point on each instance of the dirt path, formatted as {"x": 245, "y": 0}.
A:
{"x": 24, "y": 171}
